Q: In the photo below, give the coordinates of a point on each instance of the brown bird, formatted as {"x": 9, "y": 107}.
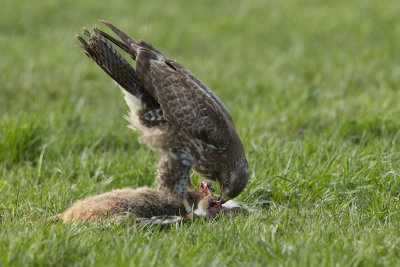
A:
{"x": 176, "y": 113}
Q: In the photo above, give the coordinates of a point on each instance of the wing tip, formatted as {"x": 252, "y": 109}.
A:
{"x": 83, "y": 42}
{"x": 104, "y": 22}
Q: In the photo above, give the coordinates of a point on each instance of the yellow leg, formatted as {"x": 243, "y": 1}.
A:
{"x": 188, "y": 209}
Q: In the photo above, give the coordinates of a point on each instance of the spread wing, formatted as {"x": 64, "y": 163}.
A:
{"x": 186, "y": 101}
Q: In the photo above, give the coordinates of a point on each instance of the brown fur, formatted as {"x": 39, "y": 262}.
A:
{"x": 149, "y": 206}
{"x": 126, "y": 203}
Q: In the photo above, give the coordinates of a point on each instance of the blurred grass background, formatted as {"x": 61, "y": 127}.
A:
{"x": 313, "y": 87}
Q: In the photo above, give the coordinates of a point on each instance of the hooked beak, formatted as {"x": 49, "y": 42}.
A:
{"x": 223, "y": 199}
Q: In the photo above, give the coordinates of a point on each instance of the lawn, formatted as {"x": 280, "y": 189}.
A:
{"x": 313, "y": 88}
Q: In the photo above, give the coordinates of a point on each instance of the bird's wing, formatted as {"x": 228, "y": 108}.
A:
{"x": 111, "y": 61}
{"x": 184, "y": 99}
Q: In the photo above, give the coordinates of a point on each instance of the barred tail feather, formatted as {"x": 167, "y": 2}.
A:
{"x": 99, "y": 49}
{"x": 110, "y": 60}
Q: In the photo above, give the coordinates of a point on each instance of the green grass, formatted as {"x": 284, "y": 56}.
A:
{"x": 313, "y": 87}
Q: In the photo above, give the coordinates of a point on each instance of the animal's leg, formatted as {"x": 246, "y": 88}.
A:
{"x": 188, "y": 208}
{"x": 174, "y": 176}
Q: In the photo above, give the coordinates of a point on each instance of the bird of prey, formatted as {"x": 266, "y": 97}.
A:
{"x": 176, "y": 113}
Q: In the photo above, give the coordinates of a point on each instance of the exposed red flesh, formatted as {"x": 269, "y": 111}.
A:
{"x": 207, "y": 189}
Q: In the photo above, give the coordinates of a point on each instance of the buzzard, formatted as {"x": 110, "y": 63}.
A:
{"x": 176, "y": 113}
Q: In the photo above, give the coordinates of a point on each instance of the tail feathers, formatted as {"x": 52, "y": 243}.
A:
{"x": 110, "y": 60}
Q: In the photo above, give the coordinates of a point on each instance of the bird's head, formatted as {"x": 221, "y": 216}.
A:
{"x": 233, "y": 182}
